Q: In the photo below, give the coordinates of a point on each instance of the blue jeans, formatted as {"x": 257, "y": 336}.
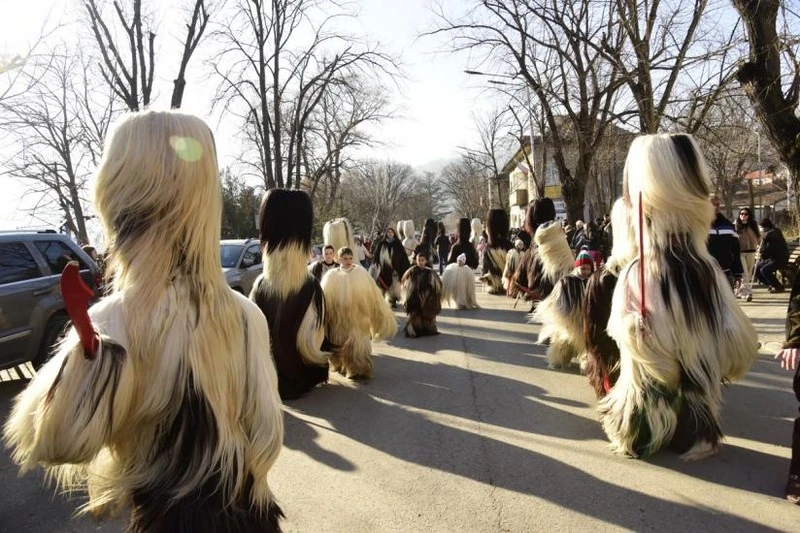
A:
{"x": 765, "y": 273}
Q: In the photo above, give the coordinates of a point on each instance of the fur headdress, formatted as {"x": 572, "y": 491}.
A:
{"x": 464, "y": 230}
{"x": 477, "y": 230}
{"x": 554, "y": 252}
{"x": 339, "y": 234}
{"x": 497, "y": 227}
{"x": 540, "y": 211}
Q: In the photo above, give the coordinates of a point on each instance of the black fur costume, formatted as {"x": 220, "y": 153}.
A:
{"x": 423, "y": 302}
{"x": 463, "y": 246}
{"x": 529, "y": 278}
{"x": 289, "y": 296}
{"x": 427, "y": 239}
{"x": 494, "y": 257}
{"x": 391, "y": 262}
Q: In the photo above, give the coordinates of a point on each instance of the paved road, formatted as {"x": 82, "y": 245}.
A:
{"x": 469, "y": 431}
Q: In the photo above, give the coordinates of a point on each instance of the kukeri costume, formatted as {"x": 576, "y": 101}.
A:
{"x": 337, "y": 233}
{"x": 494, "y": 256}
{"x": 423, "y": 300}
{"x": 356, "y": 313}
{"x": 162, "y": 398}
{"x": 390, "y": 262}
{"x": 288, "y": 295}
{"x": 602, "y": 353}
{"x": 458, "y": 284}
{"x": 561, "y": 316}
{"x": 675, "y": 319}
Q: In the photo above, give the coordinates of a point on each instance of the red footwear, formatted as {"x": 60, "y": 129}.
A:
{"x": 793, "y": 489}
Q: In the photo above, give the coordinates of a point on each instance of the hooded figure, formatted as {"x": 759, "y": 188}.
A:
{"x": 390, "y": 262}
{"x": 163, "y": 397}
{"x": 337, "y": 233}
{"x": 494, "y": 257}
{"x": 288, "y": 295}
{"x": 463, "y": 246}
{"x": 458, "y": 284}
{"x": 679, "y": 330}
{"x": 423, "y": 299}
{"x": 356, "y": 314}
{"x": 602, "y": 353}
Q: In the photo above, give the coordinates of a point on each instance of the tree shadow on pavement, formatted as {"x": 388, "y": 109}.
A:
{"x": 301, "y": 435}
{"x": 409, "y": 436}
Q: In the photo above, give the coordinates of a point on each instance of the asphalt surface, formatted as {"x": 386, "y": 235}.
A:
{"x": 469, "y": 431}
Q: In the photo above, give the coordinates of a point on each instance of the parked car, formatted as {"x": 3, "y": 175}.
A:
{"x": 241, "y": 263}
{"x": 32, "y": 314}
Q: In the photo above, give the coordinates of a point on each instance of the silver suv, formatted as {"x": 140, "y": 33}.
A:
{"x": 32, "y": 314}
{"x": 241, "y": 263}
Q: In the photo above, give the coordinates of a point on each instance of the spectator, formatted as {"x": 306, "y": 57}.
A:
{"x": 90, "y": 251}
{"x": 749, "y": 235}
{"x": 723, "y": 244}
{"x": 319, "y": 268}
{"x": 593, "y": 240}
{"x": 773, "y": 255}
{"x": 789, "y": 355}
{"x": 362, "y": 253}
{"x": 443, "y": 245}
{"x": 578, "y": 238}
{"x": 608, "y": 237}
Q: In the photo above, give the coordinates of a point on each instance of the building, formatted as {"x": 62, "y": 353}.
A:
{"x": 605, "y": 181}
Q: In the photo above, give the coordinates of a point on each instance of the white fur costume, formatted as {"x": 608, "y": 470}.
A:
{"x": 338, "y": 233}
{"x": 554, "y": 252}
{"x": 356, "y": 314}
{"x": 176, "y": 415}
{"x": 477, "y": 231}
{"x": 409, "y": 241}
{"x": 458, "y": 286}
{"x": 692, "y": 335}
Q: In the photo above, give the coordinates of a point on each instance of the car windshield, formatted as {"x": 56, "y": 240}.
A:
{"x": 229, "y": 254}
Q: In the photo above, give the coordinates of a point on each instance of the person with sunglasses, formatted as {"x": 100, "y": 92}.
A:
{"x": 749, "y": 237}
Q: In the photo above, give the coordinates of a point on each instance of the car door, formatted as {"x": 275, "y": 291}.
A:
{"x": 251, "y": 267}
{"x": 22, "y": 284}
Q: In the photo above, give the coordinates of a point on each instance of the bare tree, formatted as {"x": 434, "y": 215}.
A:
{"x": 495, "y": 145}
{"x": 464, "y": 183}
{"x": 771, "y": 77}
{"x": 276, "y": 66}
{"x": 666, "y": 41}
{"x": 374, "y": 191}
{"x": 56, "y": 130}
{"x": 335, "y": 129}
{"x": 126, "y": 42}
{"x": 547, "y": 43}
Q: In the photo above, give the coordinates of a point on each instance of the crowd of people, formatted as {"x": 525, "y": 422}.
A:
{"x": 166, "y": 395}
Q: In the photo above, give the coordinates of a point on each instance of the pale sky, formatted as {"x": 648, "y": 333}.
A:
{"x": 437, "y": 101}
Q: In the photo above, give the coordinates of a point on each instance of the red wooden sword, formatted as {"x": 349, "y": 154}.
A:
{"x": 76, "y": 299}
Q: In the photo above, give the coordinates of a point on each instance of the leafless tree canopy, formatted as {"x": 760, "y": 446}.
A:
{"x": 125, "y": 38}
{"x": 464, "y": 183}
{"x": 57, "y": 129}
{"x": 274, "y": 77}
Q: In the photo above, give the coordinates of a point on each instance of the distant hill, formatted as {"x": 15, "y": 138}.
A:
{"x": 436, "y": 165}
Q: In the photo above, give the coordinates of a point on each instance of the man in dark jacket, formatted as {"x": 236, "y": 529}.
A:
{"x": 773, "y": 254}
{"x": 723, "y": 244}
{"x": 789, "y": 356}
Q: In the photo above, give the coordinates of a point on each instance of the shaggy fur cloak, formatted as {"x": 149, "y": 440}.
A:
{"x": 176, "y": 414}
{"x": 561, "y": 316}
{"x": 356, "y": 314}
{"x": 494, "y": 256}
{"x": 390, "y": 262}
{"x": 423, "y": 301}
{"x": 685, "y": 335}
{"x": 288, "y": 295}
{"x": 463, "y": 245}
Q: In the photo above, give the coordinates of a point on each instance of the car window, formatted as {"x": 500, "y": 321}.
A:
{"x": 58, "y": 255}
{"x": 229, "y": 254}
{"x": 253, "y": 253}
{"x": 16, "y": 263}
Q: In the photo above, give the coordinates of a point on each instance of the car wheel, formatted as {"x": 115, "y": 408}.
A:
{"x": 53, "y": 333}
